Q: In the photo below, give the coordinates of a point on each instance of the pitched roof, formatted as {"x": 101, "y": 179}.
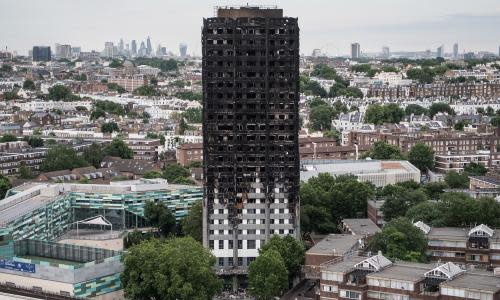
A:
{"x": 376, "y": 262}
{"x": 481, "y": 230}
{"x": 448, "y": 271}
{"x": 422, "y": 226}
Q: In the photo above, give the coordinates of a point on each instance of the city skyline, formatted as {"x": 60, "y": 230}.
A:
{"x": 401, "y": 25}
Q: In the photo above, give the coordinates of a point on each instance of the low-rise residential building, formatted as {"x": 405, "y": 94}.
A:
{"x": 376, "y": 277}
{"x": 457, "y": 162}
{"x": 129, "y": 82}
{"x": 466, "y": 246}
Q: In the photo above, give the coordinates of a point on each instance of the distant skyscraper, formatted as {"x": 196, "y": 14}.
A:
{"x": 41, "y": 53}
{"x": 109, "y": 49}
{"x": 499, "y": 51}
{"x": 134, "y": 47}
{"x": 57, "y": 50}
{"x": 75, "y": 51}
{"x": 355, "y": 50}
{"x": 386, "y": 52}
{"x": 455, "y": 51}
{"x": 316, "y": 52}
{"x": 121, "y": 47}
{"x": 142, "y": 50}
{"x": 183, "y": 49}
{"x": 440, "y": 51}
{"x": 149, "y": 49}
{"x": 64, "y": 51}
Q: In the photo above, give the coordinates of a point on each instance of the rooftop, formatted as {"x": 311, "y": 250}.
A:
{"x": 361, "y": 226}
{"x": 476, "y": 280}
{"x": 403, "y": 271}
{"x": 335, "y": 244}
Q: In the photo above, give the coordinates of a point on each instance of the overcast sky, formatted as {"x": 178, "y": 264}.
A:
{"x": 330, "y": 25}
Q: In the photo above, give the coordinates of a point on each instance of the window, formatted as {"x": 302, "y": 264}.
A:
{"x": 250, "y": 244}
{"x": 240, "y": 261}
{"x": 211, "y": 244}
{"x": 230, "y": 244}
{"x": 221, "y": 244}
{"x": 240, "y": 244}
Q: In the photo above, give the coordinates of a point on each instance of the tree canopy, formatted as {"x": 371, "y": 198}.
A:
{"x": 109, "y": 127}
{"x": 118, "y": 148}
{"x": 178, "y": 268}
{"x": 62, "y": 157}
{"x": 440, "y": 107}
{"x": 61, "y": 93}
{"x": 193, "y": 115}
{"x": 379, "y": 114}
{"x": 177, "y": 174}
{"x": 291, "y": 250}
{"x": 160, "y": 216}
{"x": 29, "y": 85}
{"x": 5, "y": 185}
{"x": 415, "y": 109}
{"x": 192, "y": 224}
{"x": 325, "y": 200}
{"x": 8, "y": 138}
{"x": 267, "y": 276}
{"x": 400, "y": 239}
{"x": 320, "y": 117}
{"x": 383, "y": 150}
{"x": 400, "y": 198}
{"x": 421, "y": 156}
{"x": 94, "y": 154}
{"x": 457, "y": 181}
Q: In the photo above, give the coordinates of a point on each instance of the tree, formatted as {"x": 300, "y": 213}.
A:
{"x": 192, "y": 224}
{"x": 97, "y": 113}
{"x": 178, "y": 268}
{"x": 475, "y": 169}
{"x": 421, "y": 156}
{"x": 383, "y": 150}
{"x": 145, "y": 90}
{"x": 62, "y": 157}
{"x": 401, "y": 199}
{"x": 427, "y": 212}
{"x": 378, "y": 114}
{"x": 267, "y": 276}
{"x": 415, "y": 109}
{"x": 109, "y": 127}
{"x": 163, "y": 65}
{"x": 434, "y": 189}
{"x": 94, "y": 154}
{"x": 115, "y": 63}
{"x": 119, "y": 149}
{"x": 324, "y": 71}
{"x": 158, "y": 215}
{"x": 400, "y": 239}
{"x": 152, "y": 174}
{"x": 312, "y": 87}
{"x": 5, "y": 185}
{"x": 320, "y": 117}
{"x": 8, "y": 138}
{"x": 34, "y": 141}
{"x": 456, "y": 181}
{"x": 60, "y": 92}
{"x": 333, "y": 134}
{"x": 422, "y": 75}
{"x": 291, "y": 251}
{"x": 458, "y": 209}
{"x": 495, "y": 121}
{"x": 80, "y": 108}
{"x": 326, "y": 200}
{"x": 29, "y": 85}
{"x": 116, "y": 87}
{"x": 176, "y": 173}
{"x": 440, "y": 107}
{"x": 193, "y": 115}
{"x": 25, "y": 172}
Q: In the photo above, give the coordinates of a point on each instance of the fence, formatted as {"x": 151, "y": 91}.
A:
{"x": 58, "y": 251}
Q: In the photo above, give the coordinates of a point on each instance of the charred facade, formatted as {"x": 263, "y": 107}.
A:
{"x": 250, "y": 131}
